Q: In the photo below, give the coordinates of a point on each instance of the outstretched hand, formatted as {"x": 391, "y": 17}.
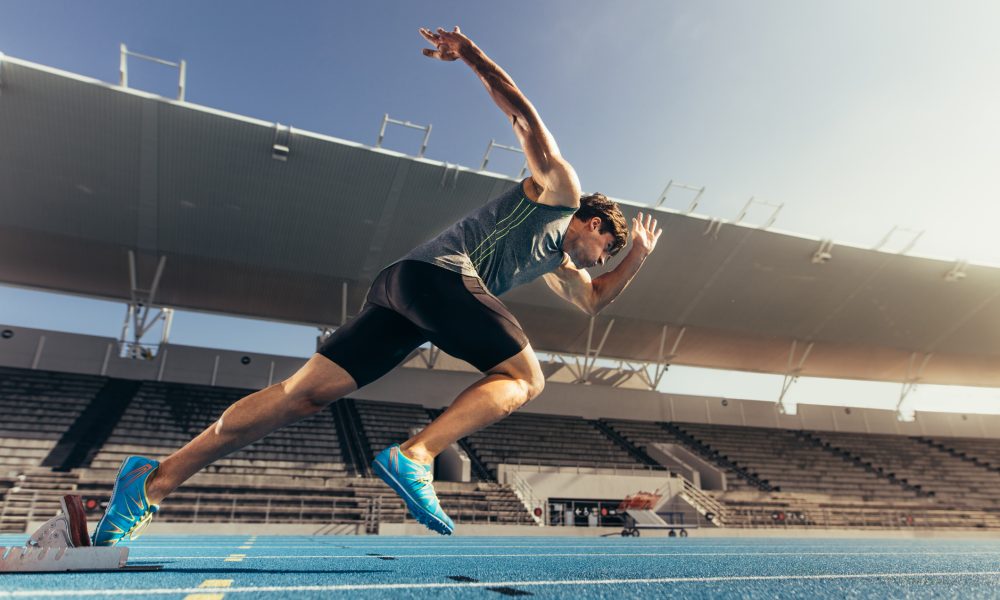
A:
{"x": 645, "y": 233}
{"x": 447, "y": 44}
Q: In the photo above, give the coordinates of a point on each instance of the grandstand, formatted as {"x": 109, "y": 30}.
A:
{"x": 742, "y": 298}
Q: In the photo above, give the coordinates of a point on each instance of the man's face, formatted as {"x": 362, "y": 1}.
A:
{"x": 592, "y": 247}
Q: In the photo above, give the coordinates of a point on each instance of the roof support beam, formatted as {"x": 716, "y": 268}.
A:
{"x": 594, "y": 353}
{"x": 583, "y": 368}
{"x": 913, "y": 375}
{"x": 659, "y": 368}
{"x": 430, "y": 356}
{"x": 139, "y": 312}
{"x": 791, "y": 376}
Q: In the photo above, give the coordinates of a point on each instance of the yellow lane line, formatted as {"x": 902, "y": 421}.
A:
{"x": 213, "y": 584}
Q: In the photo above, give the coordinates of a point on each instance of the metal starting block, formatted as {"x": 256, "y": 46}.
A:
{"x": 63, "y": 544}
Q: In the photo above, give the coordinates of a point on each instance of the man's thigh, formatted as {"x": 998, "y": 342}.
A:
{"x": 372, "y": 343}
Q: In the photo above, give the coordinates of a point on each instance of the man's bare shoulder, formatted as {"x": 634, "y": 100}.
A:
{"x": 561, "y": 190}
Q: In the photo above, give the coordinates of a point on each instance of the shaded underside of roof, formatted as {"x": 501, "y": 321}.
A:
{"x": 89, "y": 171}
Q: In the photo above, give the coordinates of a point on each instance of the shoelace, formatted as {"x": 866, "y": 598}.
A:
{"x": 425, "y": 488}
{"x": 136, "y": 529}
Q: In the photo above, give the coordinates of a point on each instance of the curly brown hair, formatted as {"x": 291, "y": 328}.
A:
{"x": 612, "y": 219}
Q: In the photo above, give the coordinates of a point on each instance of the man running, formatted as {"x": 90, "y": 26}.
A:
{"x": 444, "y": 291}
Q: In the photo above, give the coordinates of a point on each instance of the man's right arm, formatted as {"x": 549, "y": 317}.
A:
{"x": 559, "y": 182}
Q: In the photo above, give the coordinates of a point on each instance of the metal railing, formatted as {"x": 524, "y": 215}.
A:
{"x": 523, "y": 490}
{"x": 703, "y": 503}
{"x": 123, "y": 69}
{"x": 605, "y": 469}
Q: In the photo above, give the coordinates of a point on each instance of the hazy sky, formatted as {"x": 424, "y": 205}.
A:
{"x": 858, "y": 115}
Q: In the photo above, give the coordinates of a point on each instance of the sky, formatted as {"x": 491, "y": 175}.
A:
{"x": 857, "y": 115}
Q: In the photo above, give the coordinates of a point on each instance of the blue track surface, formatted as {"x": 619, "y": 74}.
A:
{"x": 387, "y": 567}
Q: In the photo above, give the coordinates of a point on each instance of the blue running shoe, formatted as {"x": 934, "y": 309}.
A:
{"x": 412, "y": 481}
{"x": 129, "y": 510}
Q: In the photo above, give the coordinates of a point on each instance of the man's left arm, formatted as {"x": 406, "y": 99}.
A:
{"x": 592, "y": 295}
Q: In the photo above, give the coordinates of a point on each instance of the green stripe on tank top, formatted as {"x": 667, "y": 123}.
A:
{"x": 483, "y": 257}
{"x": 492, "y": 233}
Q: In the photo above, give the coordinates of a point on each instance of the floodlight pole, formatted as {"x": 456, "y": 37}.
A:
{"x": 387, "y": 121}
{"x": 123, "y": 69}
{"x": 494, "y": 144}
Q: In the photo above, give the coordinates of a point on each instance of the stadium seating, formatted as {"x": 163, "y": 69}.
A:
{"x": 387, "y": 423}
{"x": 776, "y": 477}
{"x": 645, "y": 433}
{"x": 38, "y": 407}
{"x": 164, "y": 416}
{"x": 785, "y": 460}
{"x": 547, "y": 440}
{"x": 946, "y": 477}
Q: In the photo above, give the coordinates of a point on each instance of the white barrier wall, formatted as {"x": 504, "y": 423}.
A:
{"x": 75, "y": 353}
{"x": 568, "y": 483}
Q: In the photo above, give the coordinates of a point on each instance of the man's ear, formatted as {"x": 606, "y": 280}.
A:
{"x": 594, "y": 224}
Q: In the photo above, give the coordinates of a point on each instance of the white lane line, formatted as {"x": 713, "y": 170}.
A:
{"x": 484, "y": 584}
{"x": 564, "y": 554}
{"x": 403, "y": 546}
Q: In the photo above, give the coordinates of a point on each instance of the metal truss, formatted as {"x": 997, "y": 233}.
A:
{"x": 651, "y": 374}
{"x": 140, "y": 317}
{"x": 494, "y": 144}
{"x": 181, "y": 66}
{"x": 387, "y": 121}
{"x": 774, "y": 215}
{"x": 913, "y": 375}
{"x": 326, "y": 331}
{"x": 673, "y": 184}
{"x": 791, "y": 376}
{"x": 582, "y": 367}
{"x": 914, "y": 233}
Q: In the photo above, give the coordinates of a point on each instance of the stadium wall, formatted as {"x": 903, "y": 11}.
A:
{"x": 76, "y": 353}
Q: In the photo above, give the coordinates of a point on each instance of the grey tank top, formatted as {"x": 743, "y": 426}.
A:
{"x": 507, "y": 242}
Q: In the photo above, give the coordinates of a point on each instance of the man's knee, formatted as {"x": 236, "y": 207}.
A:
{"x": 310, "y": 398}
{"x": 526, "y": 372}
{"x": 319, "y": 383}
{"x": 530, "y": 383}
{"x": 535, "y": 385}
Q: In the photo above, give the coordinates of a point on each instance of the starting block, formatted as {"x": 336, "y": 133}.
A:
{"x": 63, "y": 544}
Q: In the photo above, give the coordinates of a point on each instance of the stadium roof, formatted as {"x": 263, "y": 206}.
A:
{"x": 89, "y": 171}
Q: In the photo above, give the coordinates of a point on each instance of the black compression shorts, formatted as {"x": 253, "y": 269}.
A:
{"x": 413, "y": 302}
